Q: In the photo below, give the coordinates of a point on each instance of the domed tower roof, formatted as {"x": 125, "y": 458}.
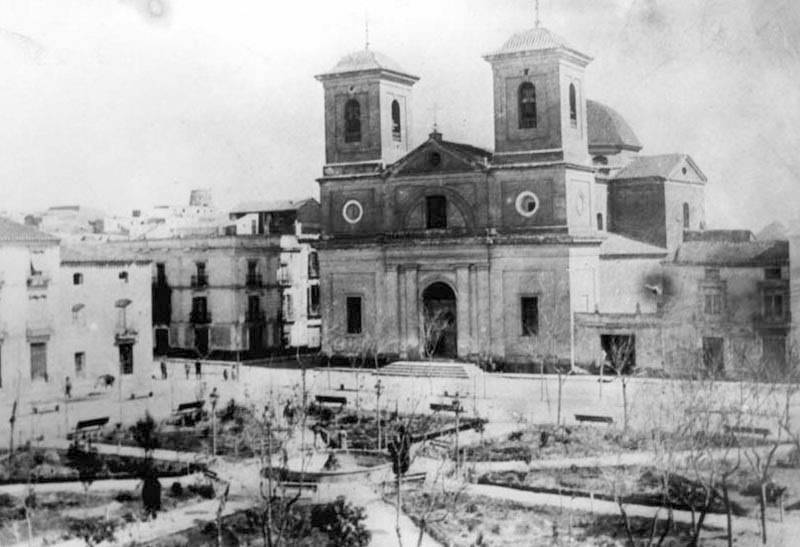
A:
{"x": 608, "y": 129}
{"x": 366, "y": 60}
{"x": 535, "y": 39}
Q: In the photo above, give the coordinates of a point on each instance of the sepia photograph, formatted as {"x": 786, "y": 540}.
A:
{"x": 400, "y": 273}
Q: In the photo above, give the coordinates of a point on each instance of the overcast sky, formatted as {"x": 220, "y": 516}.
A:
{"x": 128, "y": 103}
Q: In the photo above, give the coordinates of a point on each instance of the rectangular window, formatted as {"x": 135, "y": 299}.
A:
{"x": 126, "y": 359}
{"x": 313, "y": 265}
{"x": 353, "y": 315}
{"x": 772, "y": 274}
{"x": 161, "y": 274}
{"x": 39, "y": 361}
{"x": 313, "y": 301}
{"x": 80, "y": 363}
{"x": 288, "y": 308}
{"x": 712, "y": 274}
{"x": 436, "y": 212}
{"x": 530, "y": 315}
{"x": 713, "y": 304}
{"x": 773, "y": 305}
{"x": 252, "y": 267}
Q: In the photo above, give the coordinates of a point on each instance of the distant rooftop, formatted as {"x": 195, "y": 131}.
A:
{"x": 733, "y": 254}
{"x": 607, "y": 128}
{"x": 100, "y": 253}
{"x": 660, "y": 167}
{"x": 264, "y": 206}
{"x": 617, "y": 246}
{"x": 14, "y": 232}
{"x": 535, "y": 39}
{"x": 366, "y": 60}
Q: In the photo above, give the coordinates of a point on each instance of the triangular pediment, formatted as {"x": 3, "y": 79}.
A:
{"x": 438, "y": 156}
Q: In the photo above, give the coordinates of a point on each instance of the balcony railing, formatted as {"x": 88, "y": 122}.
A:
{"x": 256, "y": 316}
{"x": 254, "y": 281}
{"x": 38, "y": 328}
{"x": 200, "y": 281}
{"x": 200, "y": 317}
{"x": 125, "y": 334}
{"x": 773, "y": 320}
{"x": 38, "y": 281}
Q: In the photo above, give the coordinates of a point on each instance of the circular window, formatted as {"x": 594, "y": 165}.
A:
{"x": 352, "y": 211}
{"x": 527, "y": 204}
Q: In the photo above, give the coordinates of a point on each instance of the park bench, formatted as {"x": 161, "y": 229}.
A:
{"x": 188, "y": 413}
{"x": 331, "y": 400}
{"x": 446, "y": 407}
{"x": 761, "y": 431}
{"x": 87, "y": 429}
{"x": 593, "y": 418}
{"x": 299, "y": 486}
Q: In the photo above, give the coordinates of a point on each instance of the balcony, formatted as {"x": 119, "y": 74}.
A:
{"x": 38, "y": 281}
{"x": 254, "y": 281}
{"x": 255, "y": 316}
{"x": 200, "y": 281}
{"x": 125, "y": 334}
{"x": 772, "y": 321}
{"x": 38, "y": 329}
{"x": 200, "y": 317}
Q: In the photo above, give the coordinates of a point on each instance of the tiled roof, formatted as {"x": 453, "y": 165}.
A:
{"x": 654, "y": 167}
{"x": 617, "y": 245}
{"x": 14, "y": 232}
{"x": 726, "y": 253}
{"x": 366, "y": 59}
{"x": 101, "y": 253}
{"x": 608, "y": 128}
{"x": 270, "y": 206}
{"x": 475, "y": 153}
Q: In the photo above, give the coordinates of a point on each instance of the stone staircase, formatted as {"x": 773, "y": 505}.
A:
{"x": 430, "y": 369}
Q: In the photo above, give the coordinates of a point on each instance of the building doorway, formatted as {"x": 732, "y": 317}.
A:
{"x": 620, "y": 351}
{"x": 162, "y": 341}
{"x": 439, "y": 336}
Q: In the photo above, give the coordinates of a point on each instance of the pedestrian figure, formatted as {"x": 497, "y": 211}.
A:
{"x": 68, "y": 388}
{"x": 197, "y": 369}
{"x": 225, "y": 374}
{"x": 187, "y": 369}
{"x": 163, "y": 370}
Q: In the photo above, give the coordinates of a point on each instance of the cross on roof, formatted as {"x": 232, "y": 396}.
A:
{"x": 435, "y": 111}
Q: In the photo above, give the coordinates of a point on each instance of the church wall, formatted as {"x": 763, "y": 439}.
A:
{"x": 466, "y": 193}
{"x": 580, "y": 194}
{"x": 676, "y": 194}
{"x": 637, "y": 210}
{"x": 623, "y": 283}
{"x": 508, "y": 76}
{"x": 648, "y": 346}
{"x": 367, "y": 91}
{"x": 600, "y": 203}
{"x": 575, "y": 138}
{"x": 548, "y": 185}
{"x": 393, "y": 150}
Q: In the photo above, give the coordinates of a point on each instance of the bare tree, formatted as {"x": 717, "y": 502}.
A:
{"x": 435, "y": 324}
{"x": 620, "y": 354}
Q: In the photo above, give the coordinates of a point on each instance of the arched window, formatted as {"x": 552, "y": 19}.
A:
{"x": 686, "y": 216}
{"x": 352, "y": 121}
{"x": 573, "y": 106}
{"x": 396, "y": 127}
{"x": 600, "y": 221}
{"x": 527, "y": 106}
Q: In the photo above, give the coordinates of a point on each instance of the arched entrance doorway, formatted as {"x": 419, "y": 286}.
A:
{"x": 439, "y": 321}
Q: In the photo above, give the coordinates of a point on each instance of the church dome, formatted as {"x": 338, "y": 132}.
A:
{"x": 364, "y": 60}
{"x": 607, "y": 128}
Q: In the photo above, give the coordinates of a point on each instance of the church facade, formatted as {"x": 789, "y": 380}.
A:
{"x": 531, "y": 251}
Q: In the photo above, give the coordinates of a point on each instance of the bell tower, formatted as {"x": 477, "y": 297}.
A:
{"x": 367, "y": 113}
{"x": 539, "y": 99}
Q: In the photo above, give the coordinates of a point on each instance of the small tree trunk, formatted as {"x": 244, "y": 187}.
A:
{"x": 728, "y": 517}
{"x": 762, "y": 498}
{"x": 558, "y": 411}
{"x": 625, "y": 405}
{"x": 667, "y": 528}
{"x": 397, "y": 512}
{"x": 626, "y": 521}
{"x": 11, "y": 421}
